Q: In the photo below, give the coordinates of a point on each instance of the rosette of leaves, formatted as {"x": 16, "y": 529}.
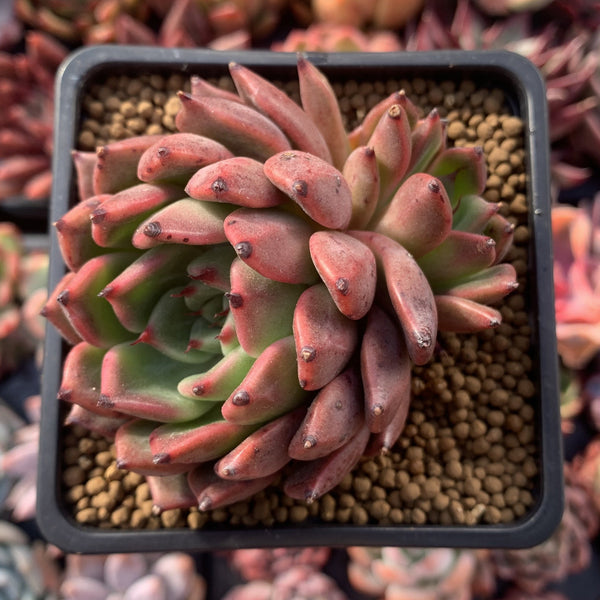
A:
{"x": 246, "y": 297}
{"x": 423, "y": 573}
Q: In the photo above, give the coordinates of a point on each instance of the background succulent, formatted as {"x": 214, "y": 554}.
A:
{"x": 171, "y": 576}
{"x": 576, "y": 239}
{"x": 23, "y": 280}
{"x": 327, "y": 37}
{"x": 427, "y": 574}
{"x": 27, "y": 87}
{"x": 299, "y": 582}
{"x": 266, "y": 564}
{"x": 567, "y": 551}
{"x": 28, "y": 571}
{"x": 18, "y": 463}
{"x": 313, "y": 254}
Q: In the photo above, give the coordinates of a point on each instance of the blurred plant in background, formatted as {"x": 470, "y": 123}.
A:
{"x": 171, "y": 576}
{"x": 19, "y": 459}
{"x": 26, "y": 96}
{"x": 23, "y": 275}
{"x": 29, "y": 571}
{"x": 419, "y": 573}
{"x": 576, "y": 239}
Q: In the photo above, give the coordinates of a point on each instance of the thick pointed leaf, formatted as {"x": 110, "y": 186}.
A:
{"x": 321, "y": 105}
{"x": 92, "y": 317}
{"x": 347, "y": 267}
{"x": 74, "y": 233}
{"x": 419, "y": 216}
{"x": 460, "y": 255}
{"x": 239, "y": 180}
{"x": 262, "y": 308}
{"x": 361, "y": 134}
{"x": 362, "y": 174}
{"x": 273, "y": 242}
{"x": 132, "y": 447}
{"x": 314, "y": 184}
{"x": 274, "y": 103}
{"x": 243, "y": 130}
{"x": 103, "y": 425}
{"x": 502, "y": 232}
{"x": 169, "y": 492}
{"x": 409, "y": 292}
{"x": 54, "y": 313}
{"x": 140, "y": 381}
{"x": 391, "y": 142}
{"x": 325, "y": 339}
{"x": 80, "y": 382}
{"x": 172, "y": 330}
{"x": 213, "y": 492}
{"x": 134, "y": 292}
{"x": 385, "y": 368}
{"x": 116, "y": 163}
{"x": 185, "y": 221}
{"x": 269, "y": 389}
{"x": 116, "y": 219}
{"x": 487, "y": 286}
{"x": 217, "y": 383}
{"x": 178, "y": 156}
{"x": 462, "y": 171}
{"x": 473, "y": 213}
{"x": 333, "y": 417}
{"x": 262, "y": 452}
{"x": 461, "y": 315}
{"x": 428, "y": 138}
{"x": 212, "y": 266}
{"x": 197, "y": 441}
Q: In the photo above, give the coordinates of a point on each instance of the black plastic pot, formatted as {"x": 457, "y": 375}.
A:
{"x": 524, "y": 89}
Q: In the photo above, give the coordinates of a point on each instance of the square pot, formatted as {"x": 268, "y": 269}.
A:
{"x": 524, "y": 93}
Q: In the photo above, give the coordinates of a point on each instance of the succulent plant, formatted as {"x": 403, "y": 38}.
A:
{"x": 326, "y": 37}
{"x": 86, "y": 21}
{"x": 576, "y": 239}
{"x": 381, "y": 14}
{"x": 300, "y": 582}
{"x": 171, "y": 576}
{"x": 28, "y": 570}
{"x": 27, "y": 87}
{"x": 23, "y": 275}
{"x": 18, "y": 463}
{"x": 410, "y": 573}
{"x": 567, "y": 551}
{"x": 263, "y": 279}
{"x": 189, "y": 23}
{"x": 586, "y": 470}
{"x": 266, "y": 564}
{"x": 566, "y": 55}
